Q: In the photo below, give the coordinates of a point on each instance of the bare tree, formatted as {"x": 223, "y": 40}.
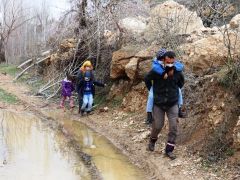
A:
{"x": 12, "y": 17}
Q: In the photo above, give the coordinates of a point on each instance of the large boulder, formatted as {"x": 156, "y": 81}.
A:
{"x": 133, "y": 25}
{"x": 208, "y": 52}
{"x": 120, "y": 59}
{"x": 172, "y": 18}
{"x": 132, "y": 62}
{"x": 119, "y": 89}
{"x": 118, "y": 68}
{"x": 147, "y": 53}
{"x": 135, "y": 100}
{"x": 131, "y": 68}
{"x": 143, "y": 68}
{"x": 235, "y": 22}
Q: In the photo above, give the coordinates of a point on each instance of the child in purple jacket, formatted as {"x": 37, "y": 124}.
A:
{"x": 67, "y": 89}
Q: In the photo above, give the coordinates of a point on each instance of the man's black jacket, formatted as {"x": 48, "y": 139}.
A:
{"x": 165, "y": 92}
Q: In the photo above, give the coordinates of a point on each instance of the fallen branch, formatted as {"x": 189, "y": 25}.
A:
{"x": 24, "y": 63}
{"x": 46, "y": 53}
{"x": 46, "y": 88}
{"x": 43, "y": 87}
{"x": 21, "y": 73}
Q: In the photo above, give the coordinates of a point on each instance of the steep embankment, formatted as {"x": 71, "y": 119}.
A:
{"x": 212, "y": 127}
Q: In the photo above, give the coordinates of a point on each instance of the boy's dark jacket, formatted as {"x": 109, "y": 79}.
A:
{"x": 81, "y": 83}
{"x": 165, "y": 92}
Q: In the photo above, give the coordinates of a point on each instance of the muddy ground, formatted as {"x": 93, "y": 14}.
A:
{"x": 129, "y": 133}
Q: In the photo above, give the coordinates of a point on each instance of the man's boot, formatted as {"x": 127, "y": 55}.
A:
{"x": 169, "y": 150}
{"x": 151, "y": 145}
{"x": 149, "y": 118}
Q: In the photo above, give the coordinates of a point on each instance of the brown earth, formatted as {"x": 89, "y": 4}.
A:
{"x": 128, "y": 132}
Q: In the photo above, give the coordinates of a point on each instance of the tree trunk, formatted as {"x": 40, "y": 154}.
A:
{"x": 82, "y": 14}
{"x": 2, "y": 52}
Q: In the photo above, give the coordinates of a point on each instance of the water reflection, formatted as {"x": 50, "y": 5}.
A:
{"x": 111, "y": 163}
{"x": 3, "y": 145}
{"x": 34, "y": 152}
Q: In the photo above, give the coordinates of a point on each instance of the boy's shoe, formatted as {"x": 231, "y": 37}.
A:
{"x": 82, "y": 112}
{"x": 171, "y": 155}
{"x": 182, "y": 113}
{"x": 149, "y": 118}
{"x": 89, "y": 112}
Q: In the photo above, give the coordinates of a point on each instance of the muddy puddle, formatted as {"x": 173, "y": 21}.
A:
{"x": 111, "y": 163}
{"x": 30, "y": 150}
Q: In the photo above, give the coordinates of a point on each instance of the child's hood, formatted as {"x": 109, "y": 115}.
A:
{"x": 157, "y": 66}
{"x": 66, "y": 80}
{"x": 178, "y": 65}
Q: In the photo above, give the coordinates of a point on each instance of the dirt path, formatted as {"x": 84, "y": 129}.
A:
{"x": 127, "y": 132}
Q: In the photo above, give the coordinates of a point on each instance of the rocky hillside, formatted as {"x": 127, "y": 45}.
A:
{"x": 207, "y": 53}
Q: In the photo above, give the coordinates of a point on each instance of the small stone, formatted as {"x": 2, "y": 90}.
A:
{"x": 141, "y": 130}
{"x": 106, "y": 109}
{"x": 141, "y": 137}
{"x": 222, "y": 105}
{"x": 214, "y": 108}
{"x": 125, "y": 124}
{"x": 198, "y": 160}
{"x": 93, "y": 147}
{"x": 176, "y": 163}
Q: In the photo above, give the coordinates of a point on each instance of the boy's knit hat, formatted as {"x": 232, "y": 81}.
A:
{"x": 161, "y": 53}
